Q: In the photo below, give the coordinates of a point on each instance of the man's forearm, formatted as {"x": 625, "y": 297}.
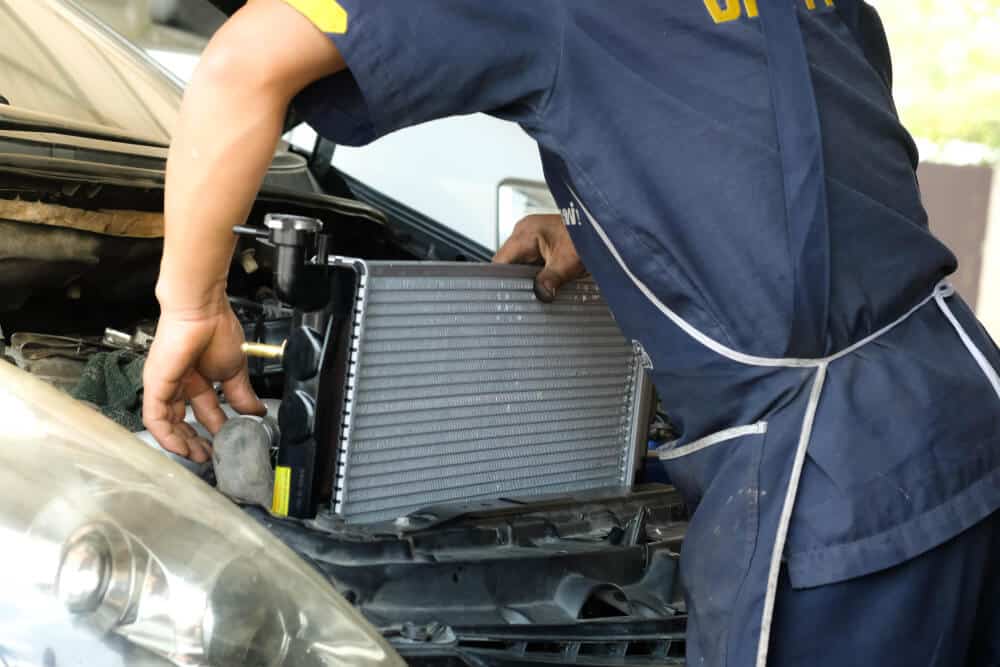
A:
{"x": 220, "y": 154}
{"x": 229, "y": 125}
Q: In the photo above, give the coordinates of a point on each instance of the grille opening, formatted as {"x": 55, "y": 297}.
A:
{"x": 676, "y": 649}
{"x": 648, "y": 649}
{"x": 605, "y": 603}
{"x": 602, "y": 649}
{"x": 544, "y": 647}
{"x": 485, "y": 644}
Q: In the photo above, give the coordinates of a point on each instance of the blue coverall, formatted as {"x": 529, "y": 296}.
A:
{"x": 735, "y": 177}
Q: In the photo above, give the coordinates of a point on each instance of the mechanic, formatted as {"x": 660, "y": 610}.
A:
{"x": 734, "y": 176}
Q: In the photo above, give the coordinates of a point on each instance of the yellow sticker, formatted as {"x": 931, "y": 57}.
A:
{"x": 327, "y": 15}
{"x": 282, "y": 491}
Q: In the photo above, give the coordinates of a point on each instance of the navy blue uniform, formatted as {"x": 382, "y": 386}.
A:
{"x": 735, "y": 177}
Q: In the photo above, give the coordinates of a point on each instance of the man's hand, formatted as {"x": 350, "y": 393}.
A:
{"x": 190, "y": 352}
{"x": 543, "y": 239}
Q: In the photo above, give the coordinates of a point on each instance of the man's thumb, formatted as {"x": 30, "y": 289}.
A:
{"x": 547, "y": 284}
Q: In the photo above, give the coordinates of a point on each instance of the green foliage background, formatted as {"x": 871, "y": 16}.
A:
{"x": 946, "y": 58}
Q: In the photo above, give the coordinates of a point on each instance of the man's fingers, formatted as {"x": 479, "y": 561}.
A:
{"x": 158, "y": 415}
{"x": 550, "y": 279}
{"x": 518, "y": 249}
{"x": 169, "y": 438}
{"x": 184, "y": 441}
{"x": 525, "y": 245}
{"x": 543, "y": 237}
{"x": 562, "y": 265}
{"x": 241, "y": 395}
{"x": 178, "y": 410}
{"x": 200, "y": 450}
{"x": 547, "y": 284}
{"x": 160, "y": 393}
{"x": 204, "y": 402}
{"x": 181, "y": 439}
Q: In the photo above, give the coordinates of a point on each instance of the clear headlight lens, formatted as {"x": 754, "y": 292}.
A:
{"x": 110, "y": 554}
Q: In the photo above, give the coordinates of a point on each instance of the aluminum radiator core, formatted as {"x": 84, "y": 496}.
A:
{"x": 461, "y": 386}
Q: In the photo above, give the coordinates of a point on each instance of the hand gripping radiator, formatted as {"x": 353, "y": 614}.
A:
{"x": 452, "y": 383}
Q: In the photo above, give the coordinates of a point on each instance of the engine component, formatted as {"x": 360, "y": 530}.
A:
{"x": 265, "y": 323}
{"x": 58, "y": 360}
{"x": 140, "y": 341}
{"x": 204, "y": 470}
{"x": 413, "y": 384}
{"x": 420, "y": 384}
{"x": 36, "y": 346}
{"x": 263, "y": 351}
{"x": 460, "y": 385}
{"x": 299, "y": 280}
{"x": 46, "y": 261}
{"x": 241, "y": 455}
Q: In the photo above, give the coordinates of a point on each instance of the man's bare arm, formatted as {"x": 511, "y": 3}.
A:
{"x": 229, "y": 126}
{"x": 230, "y": 123}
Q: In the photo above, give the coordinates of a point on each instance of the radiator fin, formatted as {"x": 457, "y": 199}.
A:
{"x": 465, "y": 387}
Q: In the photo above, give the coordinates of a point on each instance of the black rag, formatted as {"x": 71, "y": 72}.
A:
{"x": 113, "y": 382}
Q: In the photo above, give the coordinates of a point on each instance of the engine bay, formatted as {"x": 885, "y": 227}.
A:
{"x": 584, "y": 573}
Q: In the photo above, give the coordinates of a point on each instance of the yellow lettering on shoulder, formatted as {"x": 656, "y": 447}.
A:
{"x": 725, "y": 11}
{"x": 720, "y": 14}
{"x": 327, "y": 15}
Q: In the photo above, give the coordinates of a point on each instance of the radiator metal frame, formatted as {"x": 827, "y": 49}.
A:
{"x": 640, "y": 389}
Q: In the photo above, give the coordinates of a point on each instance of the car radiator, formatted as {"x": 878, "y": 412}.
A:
{"x": 460, "y": 386}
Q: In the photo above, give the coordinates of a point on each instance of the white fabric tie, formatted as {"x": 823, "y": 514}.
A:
{"x": 941, "y": 293}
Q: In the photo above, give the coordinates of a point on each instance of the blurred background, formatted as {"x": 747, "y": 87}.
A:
{"x": 946, "y": 59}
{"x": 947, "y": 87}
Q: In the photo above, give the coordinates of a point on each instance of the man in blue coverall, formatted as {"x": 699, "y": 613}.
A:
{"x": 735, "y": 177}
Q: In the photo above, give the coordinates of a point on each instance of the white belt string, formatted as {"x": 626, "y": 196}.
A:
{"x": 714, "y": 345}
{"x": 785, "y": 520}
{"x": 944, "y": 291}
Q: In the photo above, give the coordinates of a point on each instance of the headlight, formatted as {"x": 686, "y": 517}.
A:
{"x": 112, "y": 555}
{"x": 517, "y": 199}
